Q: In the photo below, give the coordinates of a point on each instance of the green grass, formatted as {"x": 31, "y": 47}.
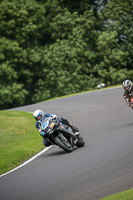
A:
{"x": 19, "y": 139}
{"x": 126, "y": 195}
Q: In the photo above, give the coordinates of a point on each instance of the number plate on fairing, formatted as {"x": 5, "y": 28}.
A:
{"x": 45, "y": 124}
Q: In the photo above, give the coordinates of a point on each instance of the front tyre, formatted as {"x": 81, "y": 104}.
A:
{"x": 65, "y": 145}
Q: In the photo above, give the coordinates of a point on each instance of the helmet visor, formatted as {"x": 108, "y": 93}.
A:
{"x": 39, "y": 117}
{"x": 127, "y": 88}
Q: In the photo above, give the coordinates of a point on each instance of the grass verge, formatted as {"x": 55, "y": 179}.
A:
{"x": 126, "y": 195}
{"x": 19, "y": 139}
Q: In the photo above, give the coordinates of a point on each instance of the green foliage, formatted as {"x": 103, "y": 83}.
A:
{"x": 114, "y": 42}
{"x": 22, "y": 21}
{"x": 52, "y": 48}
{"x": 12, "y": 95}
{"x": 22, "y": 28}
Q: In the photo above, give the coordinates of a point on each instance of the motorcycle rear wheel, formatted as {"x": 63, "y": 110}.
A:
{"x": 80, "y": 142}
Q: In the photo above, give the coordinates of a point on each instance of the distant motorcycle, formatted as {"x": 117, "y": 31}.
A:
{"x": 61, "y": 135}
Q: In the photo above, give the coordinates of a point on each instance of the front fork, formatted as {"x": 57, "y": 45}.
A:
{"x": 71, "y": 139}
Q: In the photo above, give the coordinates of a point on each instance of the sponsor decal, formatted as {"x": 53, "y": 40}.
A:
{"x": 52, "y": 125}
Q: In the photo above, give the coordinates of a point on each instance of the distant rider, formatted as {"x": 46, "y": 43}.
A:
{"x": 40, "y": 116}
{"x": 128, "y": 90}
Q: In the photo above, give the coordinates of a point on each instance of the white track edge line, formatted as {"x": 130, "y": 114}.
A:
{"x": 28, "y": 161}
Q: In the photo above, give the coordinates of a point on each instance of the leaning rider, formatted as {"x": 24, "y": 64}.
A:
{"x": 39, "y": 117}
{"x": 128, "y": 90}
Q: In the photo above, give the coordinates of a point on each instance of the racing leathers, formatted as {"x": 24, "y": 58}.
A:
{"x": 59, "y": 119}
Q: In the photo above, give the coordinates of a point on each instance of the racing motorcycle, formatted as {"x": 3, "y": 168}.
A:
{"x": 61, "y": 135}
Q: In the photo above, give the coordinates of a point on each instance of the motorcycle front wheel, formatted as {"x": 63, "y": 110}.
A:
{"x": 65, "y": 145}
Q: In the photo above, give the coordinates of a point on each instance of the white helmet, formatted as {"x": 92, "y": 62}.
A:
{"x": 37, "y": 114}
{"x": 127, "y": 85}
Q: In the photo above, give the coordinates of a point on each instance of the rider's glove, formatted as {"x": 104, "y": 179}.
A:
{"x": 43, "y": 134}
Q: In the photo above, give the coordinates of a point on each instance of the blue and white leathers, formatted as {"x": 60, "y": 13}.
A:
{"x": 38, "y": 126}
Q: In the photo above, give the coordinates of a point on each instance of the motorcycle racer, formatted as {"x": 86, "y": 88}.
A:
{"x": 39, "y": 116}
{"x": 128, "y": 90}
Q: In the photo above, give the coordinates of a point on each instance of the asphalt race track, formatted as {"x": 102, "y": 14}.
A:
{"x": 103, "y": 167}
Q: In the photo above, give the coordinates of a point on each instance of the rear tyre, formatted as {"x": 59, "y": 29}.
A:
{"x": 80, "y": 142}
